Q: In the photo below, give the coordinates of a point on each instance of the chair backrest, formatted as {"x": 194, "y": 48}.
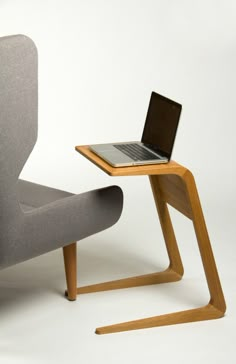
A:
{"x": 18, "y": 115}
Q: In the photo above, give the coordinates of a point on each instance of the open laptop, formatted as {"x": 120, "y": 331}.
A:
{"x": 157, "y": 140}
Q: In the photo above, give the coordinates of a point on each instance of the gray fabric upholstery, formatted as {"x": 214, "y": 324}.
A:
{"x": 36, "y": 219}
{"x": 35, "y": 195}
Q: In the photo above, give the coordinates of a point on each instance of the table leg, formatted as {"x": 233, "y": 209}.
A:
{"x": 172, "y": 274}
{"x": 188, "y": 203}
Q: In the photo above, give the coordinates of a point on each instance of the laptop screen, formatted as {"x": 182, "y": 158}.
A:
{"x": 161, "y": 124}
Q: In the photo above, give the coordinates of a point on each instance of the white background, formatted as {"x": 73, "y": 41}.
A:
{"x": 98, "y": 63}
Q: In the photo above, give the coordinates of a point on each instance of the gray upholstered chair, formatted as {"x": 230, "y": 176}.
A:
{"x": 35, "y": 219}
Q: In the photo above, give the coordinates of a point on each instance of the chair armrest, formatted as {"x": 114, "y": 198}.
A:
{"x": 72, "y": 218}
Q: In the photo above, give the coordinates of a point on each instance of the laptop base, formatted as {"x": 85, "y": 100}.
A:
{"x": 112, "y": 155}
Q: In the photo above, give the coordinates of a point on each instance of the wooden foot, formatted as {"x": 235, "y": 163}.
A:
{"x": 208, "y": 312}
{"x": 154, "y": 278}
{"x": 70, "y": 261}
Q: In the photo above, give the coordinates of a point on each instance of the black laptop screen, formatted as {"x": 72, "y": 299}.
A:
{"x": 161, "y": 124}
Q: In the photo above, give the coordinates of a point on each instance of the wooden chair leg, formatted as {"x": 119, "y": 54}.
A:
{"x": 70, "y": 261}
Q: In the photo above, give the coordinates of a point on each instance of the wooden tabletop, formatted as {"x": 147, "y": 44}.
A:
{"x": 148, "y": 169}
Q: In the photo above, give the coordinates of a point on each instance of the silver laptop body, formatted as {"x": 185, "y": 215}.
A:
{"x": 157, "y": 140}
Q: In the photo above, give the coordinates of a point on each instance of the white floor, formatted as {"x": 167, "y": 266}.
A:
{"x": 38, "y": 325}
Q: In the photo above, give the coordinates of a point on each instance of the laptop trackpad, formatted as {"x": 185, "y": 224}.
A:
{"x": 116, "y": 157}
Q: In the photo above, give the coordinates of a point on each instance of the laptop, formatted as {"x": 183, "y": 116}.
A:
{"x": 157, "y": 140}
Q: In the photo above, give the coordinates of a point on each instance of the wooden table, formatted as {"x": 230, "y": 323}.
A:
{"x": 171, "y": 184}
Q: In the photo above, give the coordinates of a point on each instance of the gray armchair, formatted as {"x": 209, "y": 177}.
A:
{"x": 35, "y": 219}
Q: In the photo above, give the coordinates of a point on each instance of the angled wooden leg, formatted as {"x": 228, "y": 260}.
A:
{"x": 181, "y": 192}
{"x": 70, "y": 261}
{"x": 167, "y": 228}
{"x": 208, "y": 312}
{"x": 172, "y": 274}
{"x": 216, "y": 294}
{"x": 166, "y": 276}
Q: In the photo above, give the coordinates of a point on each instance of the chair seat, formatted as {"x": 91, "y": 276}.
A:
{"x": 32, "y": 195}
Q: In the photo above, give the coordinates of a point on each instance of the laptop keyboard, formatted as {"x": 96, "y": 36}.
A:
{"x": 136, "y": 152}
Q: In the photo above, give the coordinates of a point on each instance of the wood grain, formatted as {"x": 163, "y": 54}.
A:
{"x": 168, "y": 275}
{"x": 70, "y": 261}
{"x": 167, "y": 228}
{"x": 208, "y": 312}
{"x": 174, "y": 193}
{"x": 171, "y": 184}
